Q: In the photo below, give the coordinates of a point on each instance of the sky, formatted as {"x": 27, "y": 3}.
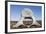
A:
{"x": 15, "y": 11}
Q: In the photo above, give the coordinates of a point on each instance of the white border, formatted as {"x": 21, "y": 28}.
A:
{"x": 26, "y": 29}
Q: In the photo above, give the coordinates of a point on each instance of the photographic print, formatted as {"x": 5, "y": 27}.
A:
{"x": 24, "y": 17}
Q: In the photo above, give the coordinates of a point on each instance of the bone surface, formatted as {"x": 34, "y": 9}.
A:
{"x": 26, "y": 12}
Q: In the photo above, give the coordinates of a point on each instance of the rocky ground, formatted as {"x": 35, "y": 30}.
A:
{"x": 12, "y": 23}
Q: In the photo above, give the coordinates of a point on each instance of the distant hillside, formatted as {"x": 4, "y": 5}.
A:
{"x": 39, "y": 21}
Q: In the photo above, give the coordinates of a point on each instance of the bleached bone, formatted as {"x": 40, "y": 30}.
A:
{"x": 20, "y": 22}
{"x": 27, "y": 13}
